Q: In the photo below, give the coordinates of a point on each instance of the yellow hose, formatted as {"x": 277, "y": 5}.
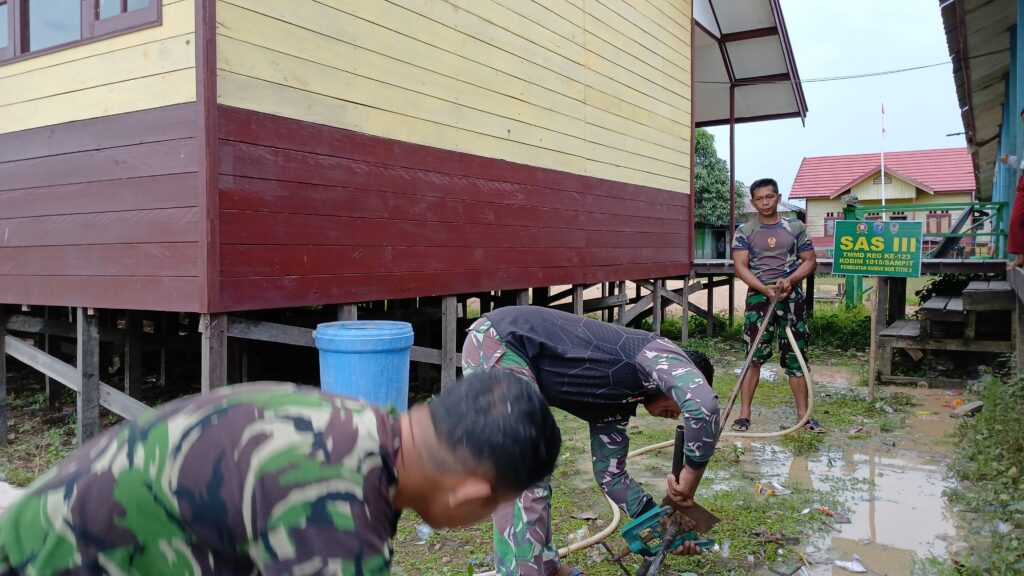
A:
{"x": 617, "y": 514}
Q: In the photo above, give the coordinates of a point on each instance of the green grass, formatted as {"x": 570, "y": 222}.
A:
{"x": 989, "y": 466}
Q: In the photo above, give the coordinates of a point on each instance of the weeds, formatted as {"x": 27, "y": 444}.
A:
{"x": 989, "y": 465}
{"x": 837, "y": 327}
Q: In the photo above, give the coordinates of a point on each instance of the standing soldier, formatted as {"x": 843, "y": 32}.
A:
{"x": 278, "y": 479}
{"x": 773, "y": 255}
{"x": 598, "y": 372}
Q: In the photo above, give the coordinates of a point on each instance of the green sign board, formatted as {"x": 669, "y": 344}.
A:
{"x": 877, "y": 248}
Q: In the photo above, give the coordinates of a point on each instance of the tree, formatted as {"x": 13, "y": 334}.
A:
{"x": 711, "y": 182}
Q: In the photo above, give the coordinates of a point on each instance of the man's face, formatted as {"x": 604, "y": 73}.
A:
{"x": 765, "y": 200}
{"x": 662, "y": 406}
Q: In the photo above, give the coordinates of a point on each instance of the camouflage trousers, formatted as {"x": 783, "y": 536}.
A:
{"x": 523, "y": 544}
{"x": 789, "y": 311}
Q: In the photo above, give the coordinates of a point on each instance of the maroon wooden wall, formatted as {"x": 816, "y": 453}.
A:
{"x": 102, "y": 213}
{"x": 311, "y": 214}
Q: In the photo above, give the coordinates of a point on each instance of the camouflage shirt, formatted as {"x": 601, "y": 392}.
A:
{"x": 774, "y": 248}
{"x": 264, "y": 478}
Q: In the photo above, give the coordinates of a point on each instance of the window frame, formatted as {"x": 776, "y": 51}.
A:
{"x": 7, "y": 51}
{"x": 831, "y": 218}
{"x": 935, "y": 220}
{"x": 93, "y": 28}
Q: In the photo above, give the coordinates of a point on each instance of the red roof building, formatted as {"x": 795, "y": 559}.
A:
{"x": 911, "y": 177}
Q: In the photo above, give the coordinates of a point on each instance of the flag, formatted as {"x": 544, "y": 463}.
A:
{"x": 883, "y": 119}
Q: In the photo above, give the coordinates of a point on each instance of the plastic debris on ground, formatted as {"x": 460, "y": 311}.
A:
{"x": 423, "y": 532}
{"x": 578, "y": 536}
{"x": 854, "y": 565}
{"x": 766, "y": 488}
{"x": 726, "y": 547}
{"x": 768, "y": 374}
{"x": 856, "y": 430}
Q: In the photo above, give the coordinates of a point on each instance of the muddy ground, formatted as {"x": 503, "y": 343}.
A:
{"x": 887, "y": 477}
{"x": 883, "y": 470}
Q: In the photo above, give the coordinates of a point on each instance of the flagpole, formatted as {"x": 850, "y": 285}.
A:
{"x": 884, "y": 215}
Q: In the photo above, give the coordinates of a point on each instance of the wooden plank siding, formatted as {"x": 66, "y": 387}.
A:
{"x": 311, "y": 214}
{"x": 102, "y": 212}
{"x": 599, "y": 89}
{"x": 140, "y": 70}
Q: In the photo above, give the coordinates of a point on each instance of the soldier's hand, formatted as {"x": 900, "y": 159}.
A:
{"x": 681, "y": 491}
{"x": 783, "y": 286}
{"x": 689, "y": 548}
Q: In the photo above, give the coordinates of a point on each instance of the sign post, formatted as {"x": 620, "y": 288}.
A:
{"x": 882, "y": 249}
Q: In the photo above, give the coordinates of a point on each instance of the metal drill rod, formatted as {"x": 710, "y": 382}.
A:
{"x": 618, "y": 561}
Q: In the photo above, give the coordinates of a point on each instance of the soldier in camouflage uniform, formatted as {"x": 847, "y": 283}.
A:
{"x": 773, "y": 255}
{"x": 598, "y": 372}
{"x": 272, "y": 478}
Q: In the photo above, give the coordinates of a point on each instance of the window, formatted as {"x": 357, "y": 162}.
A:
{"x": 29, "y": 27}
{"x": 898, "y": 216}
{"x": 5, "y": 30}
{"x": 939, "y": 222}
{"x": 830, "y": 223}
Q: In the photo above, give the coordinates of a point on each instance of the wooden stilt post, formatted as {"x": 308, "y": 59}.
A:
{"x": 879, "y": 303}
{"x": 732, "y": 300}
{"x": 133, "y": 376}
{"x": 577, "y": 299}
{"x": 621, "y": 314}
{"x": 53, "y": 388}
{"x": 686, "y": 310}
{"x": 606, "y": 289}
{"x": 522, "y": 297}
{"x": 167, "y": 324}
{"x": 88, "y": 360}
{"x": 214, "y": 351}
{"x": 711, "y": 306}
{"x": 448, "y": 343}
{"x": 347, "y": 312}
{"x": 3, "y": 376}
{"x": 656, "y": 321}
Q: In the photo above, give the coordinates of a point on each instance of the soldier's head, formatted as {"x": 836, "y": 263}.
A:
{"x": 764, "y": 196}
{"x": 703, "y": 363}
{"x": 661, "y": 405}
{"x": 495, "y": 436}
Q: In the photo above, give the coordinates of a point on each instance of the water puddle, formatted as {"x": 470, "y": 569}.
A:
{"x": 897, "y": 510}
{"x": 900, "y": 512}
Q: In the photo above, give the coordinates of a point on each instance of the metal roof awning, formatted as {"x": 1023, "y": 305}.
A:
{"x": 978, "y": 37}
{"x": 743, "y": 46}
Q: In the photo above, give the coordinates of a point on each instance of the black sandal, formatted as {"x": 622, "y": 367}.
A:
{"x": 741, "y": 424}
{"x": 813, "y": 426}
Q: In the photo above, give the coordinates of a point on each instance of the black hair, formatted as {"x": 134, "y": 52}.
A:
{"x": 499, "y": 419}
{"x": 762, "y": 183}
{"x": 703, "y": 363}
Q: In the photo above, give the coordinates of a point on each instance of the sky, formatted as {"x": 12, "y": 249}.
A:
{"x": 841, "y": 37}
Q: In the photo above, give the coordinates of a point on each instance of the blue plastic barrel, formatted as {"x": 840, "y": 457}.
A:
{"x": 368, "y": 359}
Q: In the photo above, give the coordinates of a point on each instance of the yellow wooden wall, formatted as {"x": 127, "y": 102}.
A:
{"x": 595, "y": 87}
{"x": 136, "y": 71}
{"x": 817, "y": 209}
{"x": 897, "y": 189}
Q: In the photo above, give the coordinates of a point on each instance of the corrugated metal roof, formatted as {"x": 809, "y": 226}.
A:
{"x": 939, "y": 171}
